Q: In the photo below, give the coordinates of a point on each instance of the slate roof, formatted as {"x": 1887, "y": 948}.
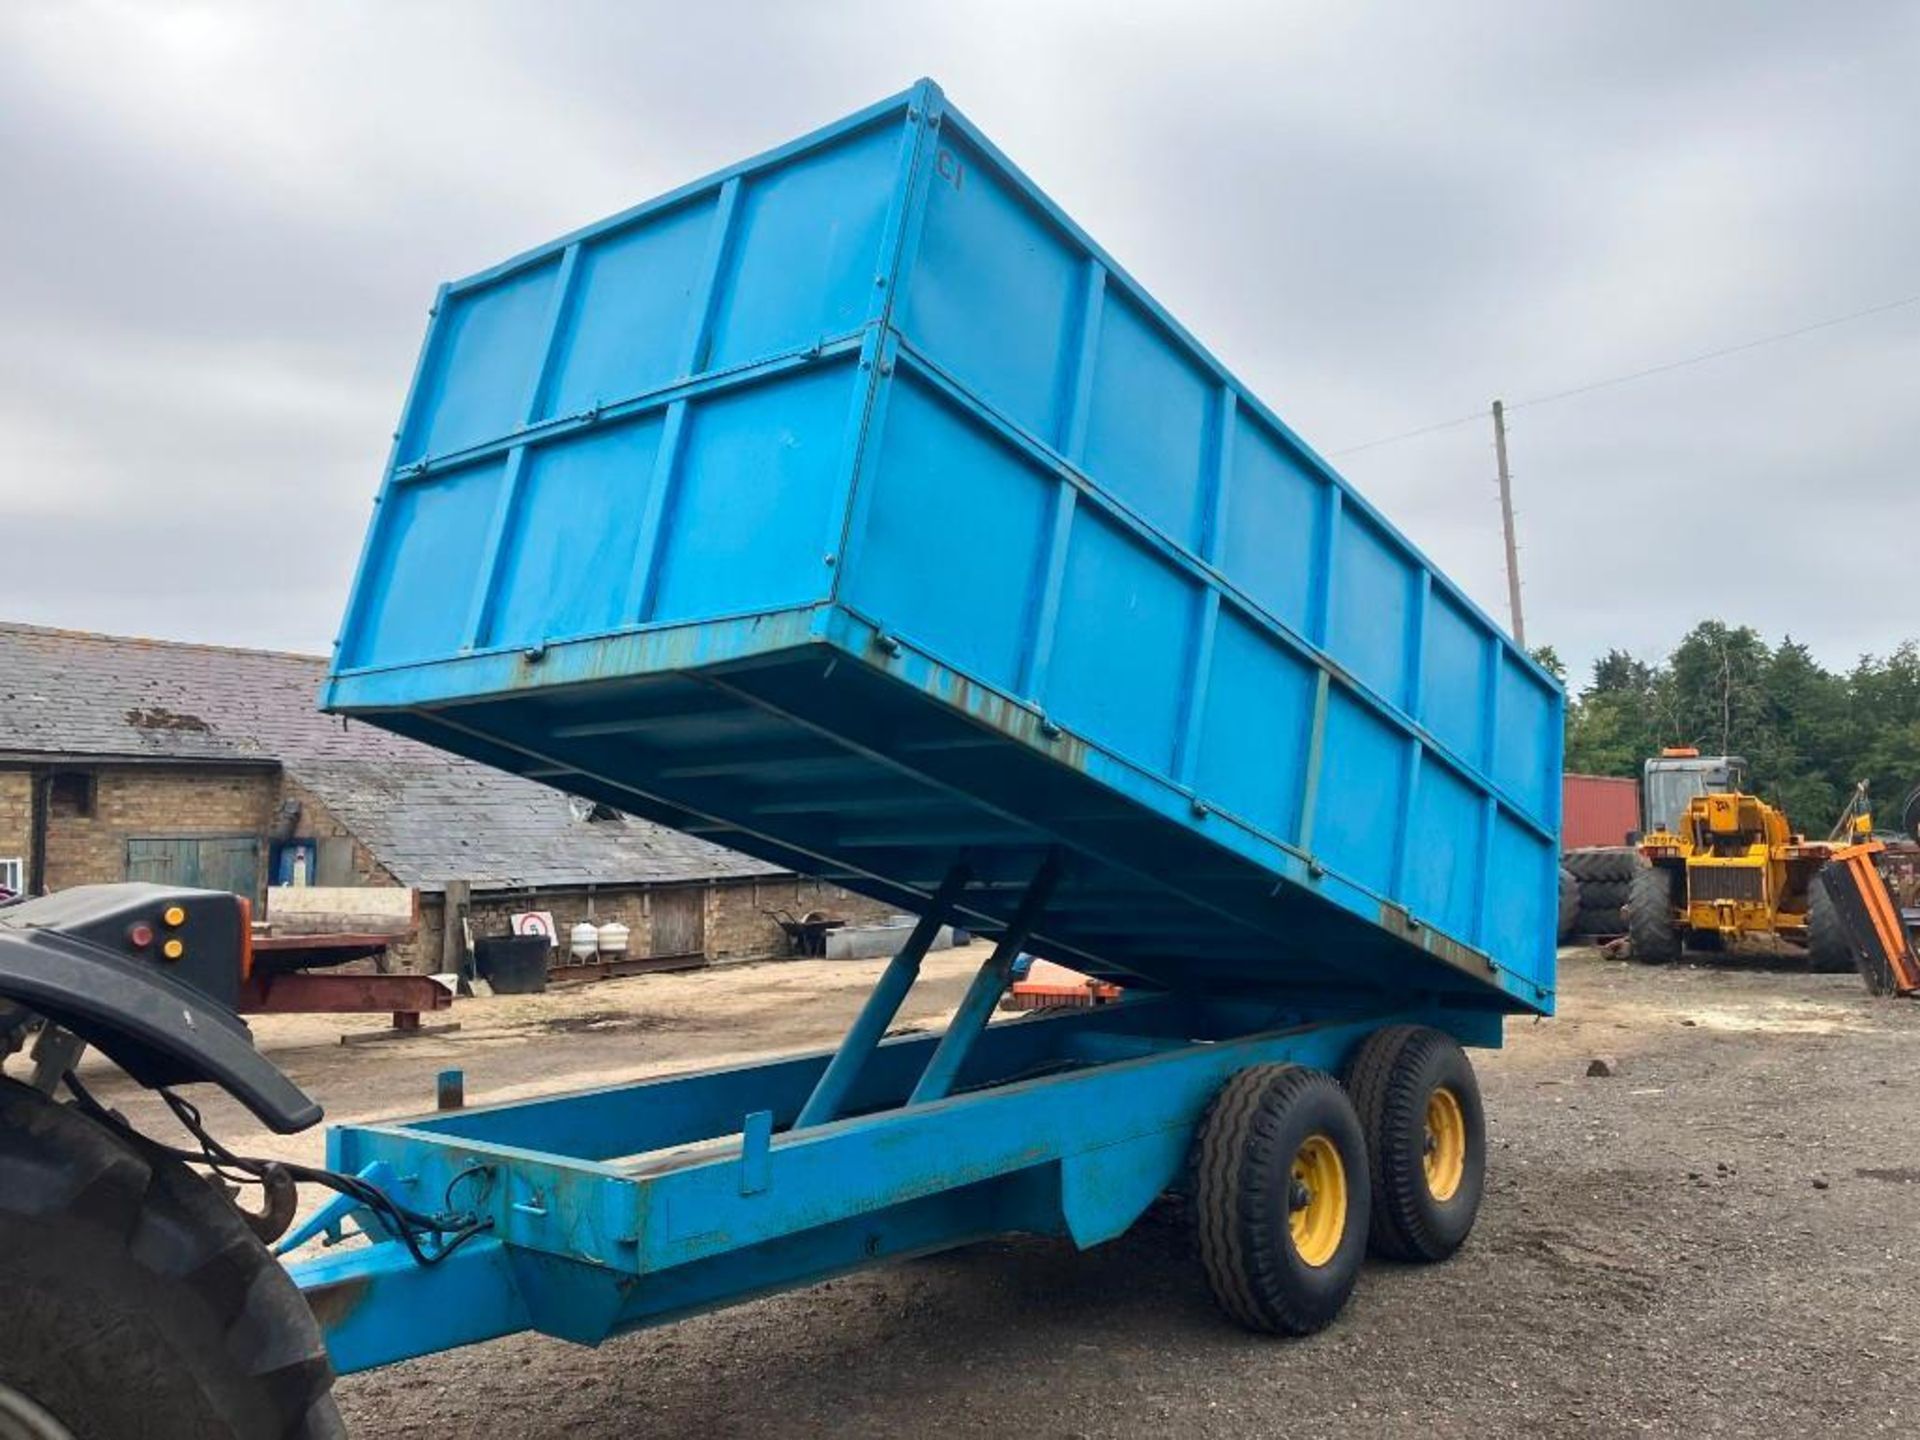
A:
{"x": 427, "y": 816}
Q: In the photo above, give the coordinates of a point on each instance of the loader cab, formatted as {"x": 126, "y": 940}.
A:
{"x": 1675, "y": 776}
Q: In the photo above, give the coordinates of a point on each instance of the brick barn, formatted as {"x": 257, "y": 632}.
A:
{"x": 127, "y": 759}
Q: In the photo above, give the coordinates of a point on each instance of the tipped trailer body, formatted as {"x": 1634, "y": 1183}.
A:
{"x": 851, "y": 508}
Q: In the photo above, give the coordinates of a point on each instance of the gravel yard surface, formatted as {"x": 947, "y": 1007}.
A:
{"x": 1719, "y": 1237}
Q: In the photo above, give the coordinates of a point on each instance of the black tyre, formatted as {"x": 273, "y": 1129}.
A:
{"x": 1650, "y": 922}
{"x": 1426, "y": 1133}
{"x": 1877, "y": 974}
{"x": 1602, "y": 863}
{"x": 1569, "y": 910}
{"x": 1281, "y": 1198}
{"x": 1600, "y": 922}
{"x": 139, "y": 1303}
{"x": 1828, "y": 952}
{"x": 1605, "y": 894}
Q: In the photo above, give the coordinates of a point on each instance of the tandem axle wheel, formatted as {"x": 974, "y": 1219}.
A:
{"x": 1297, "y": 1175}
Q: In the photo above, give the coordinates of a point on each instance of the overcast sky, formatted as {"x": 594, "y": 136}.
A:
{"x": 220, "y": 228}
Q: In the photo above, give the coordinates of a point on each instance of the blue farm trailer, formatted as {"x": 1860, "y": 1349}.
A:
{"x": 852, "y": 508}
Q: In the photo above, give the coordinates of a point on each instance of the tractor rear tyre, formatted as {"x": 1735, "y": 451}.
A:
{"x": 1426, "y": 1132}
{"x": 139, "y": 1303}
{"x": 1828, "y": 952}
{"x": 1280, "y": 1198}
{"x": 1569, "y": 910}
{"x": 1650, "y": 922}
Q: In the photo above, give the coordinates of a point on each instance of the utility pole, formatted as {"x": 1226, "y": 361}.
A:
{"x": 1506, "y": 525}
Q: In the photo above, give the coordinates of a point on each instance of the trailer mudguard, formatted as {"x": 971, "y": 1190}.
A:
{"x": 147, "y": 974}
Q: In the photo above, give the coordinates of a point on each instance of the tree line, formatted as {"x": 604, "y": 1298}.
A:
{"x": 1809, "y": 734}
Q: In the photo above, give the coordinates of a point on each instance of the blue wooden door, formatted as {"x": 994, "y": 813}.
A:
{"x": 216, "y": 862}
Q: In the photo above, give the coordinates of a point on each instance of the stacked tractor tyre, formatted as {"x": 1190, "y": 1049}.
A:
{"x": 1604, "y": 874}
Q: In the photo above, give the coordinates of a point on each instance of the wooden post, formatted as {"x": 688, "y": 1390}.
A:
{"x": 1506, "y": 526}
{"x": 453, "y": 942}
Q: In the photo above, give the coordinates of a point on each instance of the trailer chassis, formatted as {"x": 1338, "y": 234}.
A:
{"x": 617, "y": 1208}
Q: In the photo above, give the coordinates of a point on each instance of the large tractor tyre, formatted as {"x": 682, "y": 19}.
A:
{"x": 1426, "y": 1132}
{"x": 139, "y": 1303}
{"x": 1650, "y": 923}
{"x": 1600, "y": 922}
{"x": 1569, "y": 910}
{"x": 1876, "y": 973}
{"x": 1602, "y": 863}
{"x": 1828, "y": 952}
{"x": 1280, "y": 1198}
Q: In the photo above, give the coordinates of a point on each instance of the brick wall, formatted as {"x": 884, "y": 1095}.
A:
{"x": 16, "y": 820}
{"x": 151, "y": 801}
{"x": 737, "y": 926}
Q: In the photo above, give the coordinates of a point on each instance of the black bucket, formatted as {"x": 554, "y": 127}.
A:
{"x": 513, "y": 964}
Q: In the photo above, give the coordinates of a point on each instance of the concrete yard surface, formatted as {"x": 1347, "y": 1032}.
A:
{"x": 1719, "y": 1237}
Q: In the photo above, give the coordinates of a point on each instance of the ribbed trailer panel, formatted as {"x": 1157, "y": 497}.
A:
{"x": 854, "y": 509}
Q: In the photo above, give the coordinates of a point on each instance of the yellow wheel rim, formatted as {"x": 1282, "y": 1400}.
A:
{"x": 1318, "y": 1203}
{"x": 1444, "y": 1151}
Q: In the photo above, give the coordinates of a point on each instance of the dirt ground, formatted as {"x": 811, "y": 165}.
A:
{"x": 1719, "y": 1238}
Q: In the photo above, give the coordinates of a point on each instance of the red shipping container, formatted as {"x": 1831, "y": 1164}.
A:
{"x": 1597, "y": 810}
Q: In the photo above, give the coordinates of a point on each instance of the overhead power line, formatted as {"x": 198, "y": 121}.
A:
{"x": 1630, "y": 376}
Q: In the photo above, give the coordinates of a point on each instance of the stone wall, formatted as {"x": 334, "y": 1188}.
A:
{"x": 736, "y": 923}
{"x": 16, "y": 819}
{"x": 152, "y": 802}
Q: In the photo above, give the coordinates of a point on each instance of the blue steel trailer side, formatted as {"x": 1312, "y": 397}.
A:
{"x": 615, "y": 1209}
{"x": 1187, "y": 713}
{"x": 852, "y": 507}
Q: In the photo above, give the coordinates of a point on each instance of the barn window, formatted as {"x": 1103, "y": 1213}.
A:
{"x": 71, "y": 794}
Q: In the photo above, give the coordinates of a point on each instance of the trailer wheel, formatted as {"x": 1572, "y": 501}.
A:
{"x": 139, "y": 1302}
{"x": 1650, "y": 924}
{"x": 1280, "y": 1198}
{"x": 1426, "y": 1132}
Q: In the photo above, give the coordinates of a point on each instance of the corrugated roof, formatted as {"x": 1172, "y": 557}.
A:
{"x": 427, "y": 816}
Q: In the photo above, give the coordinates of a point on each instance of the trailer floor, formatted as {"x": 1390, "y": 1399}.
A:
{"x": 1717, "y": 1239}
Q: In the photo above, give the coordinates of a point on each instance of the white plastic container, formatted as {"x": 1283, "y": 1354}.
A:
{"x": 613, "y": 938}
{"x": 583, "y": 941}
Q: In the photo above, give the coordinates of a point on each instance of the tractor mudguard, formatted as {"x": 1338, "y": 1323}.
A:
{"x": 147, "y": 974}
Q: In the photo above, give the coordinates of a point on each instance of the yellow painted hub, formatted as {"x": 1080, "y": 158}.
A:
{"x": 1318, "y": 1210}
{"x": 1444, "y": 1154}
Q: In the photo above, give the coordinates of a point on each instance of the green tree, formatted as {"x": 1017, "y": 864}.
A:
{"x": 1808, "y": 733}
{"x": 1612, "y": 725}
